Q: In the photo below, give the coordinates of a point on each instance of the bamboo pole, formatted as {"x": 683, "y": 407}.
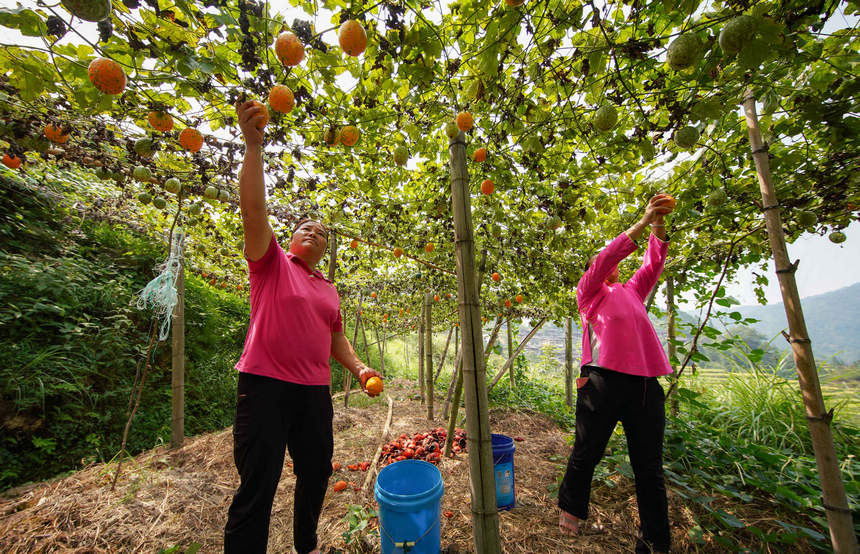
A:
{"x": 670, "y": 334}
{"x": 347, "y": 375}
{"x": 332, "y": 259}
{"x": 380, "y": 345}
{"x": 421, "y": 354}
{"x": 568, "y": 361}
{"x": 835, "y": 502}
{"x": 428, "y": 352}
{"x": 177, "y": 423}
{"x": 383, "y": 437}
{"x": 510, "y": 349}
{"x": 520, "y": 348}
{"x": 444, "y": 355}
{"x": 456, "y": 383}
{"x": 485, "y": 516}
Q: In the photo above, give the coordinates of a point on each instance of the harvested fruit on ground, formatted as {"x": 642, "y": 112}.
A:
{"x": 364, "y": 466}
{"x": 339, "y": 486}
{"x": 352, "y": 467}
{"x": 518, "y": 439}
{"x": 335, "y": 466}
{"x": 448, "y": 513}
{"x": 426, "y": 446}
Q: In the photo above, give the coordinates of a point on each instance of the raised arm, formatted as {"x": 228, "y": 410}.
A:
{"x": 252, "y": 190}
{"x": 655, "y": 256}
{"x": 342, "y": 351}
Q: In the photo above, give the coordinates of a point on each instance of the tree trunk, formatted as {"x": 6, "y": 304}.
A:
{"x": 520, "y": 348}
{"x": 177, "y": 424}
{"x": 835, "y": 501}
{"x": 485, "y": 516}
{"x": 428, "y": 352}
{"x": 421, "y": 354}
{"x": 568, "y": 361}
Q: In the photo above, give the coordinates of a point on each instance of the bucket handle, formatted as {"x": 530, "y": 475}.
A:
{"x": 407, "y": 545}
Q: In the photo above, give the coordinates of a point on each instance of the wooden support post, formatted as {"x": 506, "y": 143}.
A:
{"x": 510, "y": 349}
{"x": 670, "y": 336}
{"x": 444, "y": 355}
{"x": 177, "y": 424}
{"x": 485, "y": 516}
{"x": 421, "y": 381}
{"x": 428, "y": 352}
{"x": 347, "y": 375}
{"x": 835, "y": 501}
{"x": 568, "y": 361}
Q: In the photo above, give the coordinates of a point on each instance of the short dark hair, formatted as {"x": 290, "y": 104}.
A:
{"x": 304, "y": 220}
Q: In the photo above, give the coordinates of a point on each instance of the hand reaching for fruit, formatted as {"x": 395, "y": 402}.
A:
{"x": 371, "y": 381}
{"x": 252, "y": 118}
{"x": 658, "y": 206}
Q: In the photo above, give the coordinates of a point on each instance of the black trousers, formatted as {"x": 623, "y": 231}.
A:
{"x": 271, "y": 416}
{"x": 604, "y": 399}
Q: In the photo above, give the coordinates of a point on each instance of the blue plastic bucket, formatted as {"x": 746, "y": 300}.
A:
{"x": 503, "y": 467}
{"x": 409, "y": 493}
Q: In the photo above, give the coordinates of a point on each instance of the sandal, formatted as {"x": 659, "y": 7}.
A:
{"x": 568, "y": 524}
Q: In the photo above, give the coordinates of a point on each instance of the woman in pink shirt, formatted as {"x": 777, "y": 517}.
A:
{"x": 621, "y": 360}
{"x": 283, "y": 398}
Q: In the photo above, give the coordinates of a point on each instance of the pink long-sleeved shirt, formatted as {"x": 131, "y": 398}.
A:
{"x": 617, "y": 333}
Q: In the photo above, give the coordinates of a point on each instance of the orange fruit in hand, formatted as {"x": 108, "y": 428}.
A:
{"x": 487, "y": 187}
{"x": 349, "y": 135}
{"x": 191, "y": 139}
{"x": 289, "y": 49}
{"x": 263, "y": 110}
{"x": 161, "y": 121}
{"x": 480, "y": 154}
{"x": 465, "y": 121}
{"x": 374, "y": 385}
{"x": 281, "y": 99}
{"x": 106, "y": 75}
{"x": 13, "y": 162}
{"x": 352, "y": 38}
{"x": 55, "y": 134}
{"x": 671, "y": 200}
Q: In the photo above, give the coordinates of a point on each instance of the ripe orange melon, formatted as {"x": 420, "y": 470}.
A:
{"x": 398, "y": 252}
{"x": 480, "y": 154}
{"x": 374, "y": 385}
{"x": 352, "y": 38}
{"x": 160, "y": 121}
{"x": 289, "y": 49}
{"x": 465, "y": 121}
{"x": 349, "y": 135}
{"x": 487, "y": 187}
{"x": 12, "y": 162}
{"x": 264, "y": 111}
{"x": 107, "y": 75}
{"x": 281, "y": 99}
{"x": 55, "y": 134}
{"x": 191, "y": 139}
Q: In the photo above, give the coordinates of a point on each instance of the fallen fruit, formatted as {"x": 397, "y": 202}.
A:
{"x": 339, "y": 486}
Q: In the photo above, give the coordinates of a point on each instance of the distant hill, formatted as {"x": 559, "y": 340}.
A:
{"x": 833, "y": 321}
{"x": 832, "y": 318}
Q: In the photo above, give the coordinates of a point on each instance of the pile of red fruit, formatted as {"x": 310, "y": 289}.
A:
{"x": 422, "y": 446}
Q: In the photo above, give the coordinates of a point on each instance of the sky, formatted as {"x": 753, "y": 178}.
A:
{"x": 824, "y": 266}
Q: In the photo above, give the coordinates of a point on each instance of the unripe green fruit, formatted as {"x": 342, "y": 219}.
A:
{"x": 159, "y": 202}
{"x": 451, "y": 130}
{"x": 736, "y": 33}
{"x": 806, "y": 218}
{"x": 553, "y": 223}
{"x": 117, "y": 176}
{"x": 142, "y": 173}
{"x": 173, "y": 185}
{"x": 211, "y": 192}
{"x": 88, "y": 10}
{"x": 143, "y": 147}
{"x": 683, "y": 52}
{"x": 223, "y": 195}
{"x": 717, "y": 198}
{"x": 837, "y": 237}
{"x": 103, "y": 173}
{"x": 401, "y": 155}
{"x": 686, "y": 137}
{"x": 195, "y": 209}
{"x": 605, "y": 118}
{"x": 144, "y": 198}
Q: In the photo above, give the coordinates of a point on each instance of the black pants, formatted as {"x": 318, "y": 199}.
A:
{"x": 272, "y": 415}
{"x": 605, "y": 398}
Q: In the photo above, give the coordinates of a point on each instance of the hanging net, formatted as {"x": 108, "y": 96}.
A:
{"x": 160, "y": 293}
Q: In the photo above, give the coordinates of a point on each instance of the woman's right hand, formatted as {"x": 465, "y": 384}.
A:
{"x": 658, "y": 206}
{"x": 250, "y": 116}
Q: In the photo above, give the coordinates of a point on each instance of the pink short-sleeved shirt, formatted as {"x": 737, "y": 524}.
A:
{"x": 294, "y": 311}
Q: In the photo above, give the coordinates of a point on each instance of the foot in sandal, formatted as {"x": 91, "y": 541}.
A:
{"x": 568, "y": 524}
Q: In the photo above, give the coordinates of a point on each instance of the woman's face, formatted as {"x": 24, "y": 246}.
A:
{"x": 309, "y": 242}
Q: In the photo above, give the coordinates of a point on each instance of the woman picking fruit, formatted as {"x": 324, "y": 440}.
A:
{"x": 621, "y": 360}
{"x": 283, "y": 400}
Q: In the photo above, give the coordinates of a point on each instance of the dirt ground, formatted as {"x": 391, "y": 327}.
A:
{"x": 166, "y": 499}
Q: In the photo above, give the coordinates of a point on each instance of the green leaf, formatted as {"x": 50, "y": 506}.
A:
{"x": 26, "y": 21}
